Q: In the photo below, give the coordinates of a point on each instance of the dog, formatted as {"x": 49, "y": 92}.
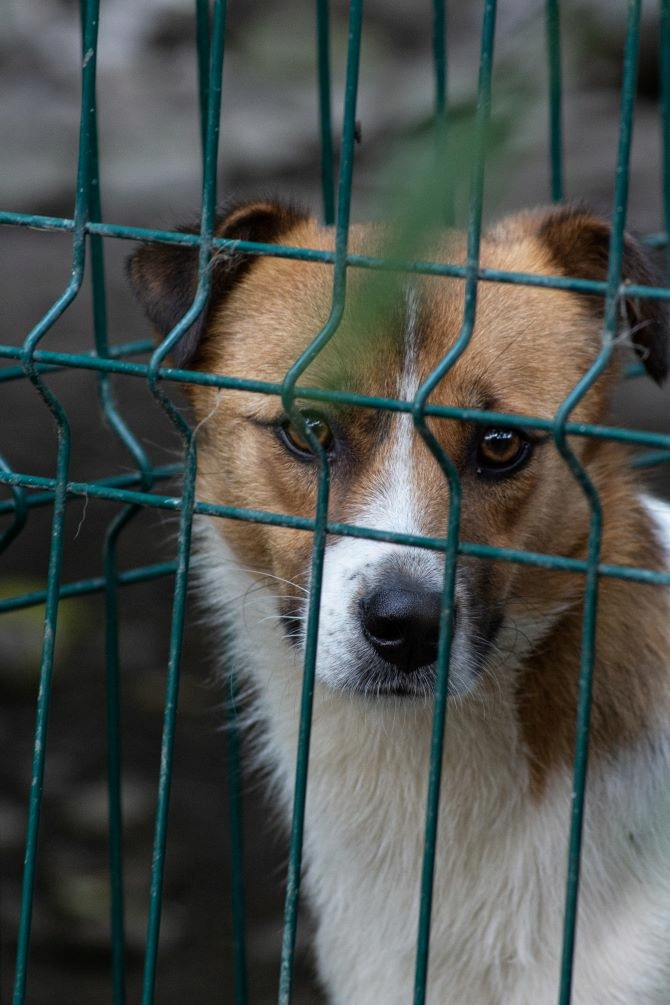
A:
{"x": 516, "y": 636}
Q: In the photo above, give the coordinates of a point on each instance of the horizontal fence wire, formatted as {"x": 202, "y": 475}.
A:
{"x": 569, "y": 284}
{"x": 134, "y": 492}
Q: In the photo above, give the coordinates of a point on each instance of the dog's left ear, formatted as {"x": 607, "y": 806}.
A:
{"x": 579, "y": 244}
{"x": 165, "y": 276}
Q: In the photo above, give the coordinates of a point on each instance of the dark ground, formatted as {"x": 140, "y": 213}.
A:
{"x": 150, "y": 177}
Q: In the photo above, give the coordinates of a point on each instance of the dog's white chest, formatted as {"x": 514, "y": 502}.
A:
{"x": 499, "y": 893}
{"x": 364, "y": 852}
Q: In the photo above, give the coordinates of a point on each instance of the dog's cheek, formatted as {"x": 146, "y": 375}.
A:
{"x": 551, "y": 519}
{"x": 487, "y": 586}
{"x": 279, "y": 555}
{"x": 290, "y": 554}
{"x": 241, "y": 466}
{"x": 503, "y": 513}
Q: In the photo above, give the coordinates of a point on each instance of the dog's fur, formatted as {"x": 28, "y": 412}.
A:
{"x": 515, "y": 648}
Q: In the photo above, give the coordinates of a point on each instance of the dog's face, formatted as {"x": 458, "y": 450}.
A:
{"x": 381, "y": 602}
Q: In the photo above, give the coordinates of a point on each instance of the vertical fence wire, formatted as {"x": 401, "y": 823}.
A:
{"x": 664, "y": 87}
{"x": 238, "y": 904}
{"x": 325, "y": 110}
{"x": 449, "y": 470}
{"x": 553, "y": 25}
{"x": 439, "y": 41}
{"x": 113, "y": 729}
{"x": 110, "y": 566}
{"x": 208, "y": 216}
{"x": 115, "y": 832}
{"x": 440, "y": 67}
{"x": 321, "y": 514}
{"x": 612, "y": 305}
{"x": 202, "y": 42}
{"x": 81, "y": 214}
{"x": 204, "y": 29}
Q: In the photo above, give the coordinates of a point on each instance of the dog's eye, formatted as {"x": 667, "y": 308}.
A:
{"x": 293, "y": 438}
{"x": 502, "y": 452}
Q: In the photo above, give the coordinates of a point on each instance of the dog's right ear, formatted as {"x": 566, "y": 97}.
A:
{"x": 165, "y": 276}
{"x": 579, "y": 244}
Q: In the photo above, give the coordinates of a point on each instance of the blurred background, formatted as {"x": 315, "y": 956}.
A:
{"x": 150, "y": 176}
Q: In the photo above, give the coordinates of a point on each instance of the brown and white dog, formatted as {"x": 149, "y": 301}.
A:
{"x": 515, "y": 652}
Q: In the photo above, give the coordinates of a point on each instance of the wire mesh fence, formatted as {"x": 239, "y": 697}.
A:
{"x": 145, "y": 485}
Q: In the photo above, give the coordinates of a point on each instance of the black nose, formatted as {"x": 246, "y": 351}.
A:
{"x": 403, "y": 625}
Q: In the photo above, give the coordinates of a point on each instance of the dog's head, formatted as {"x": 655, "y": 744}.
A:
{"x": 530, "y": 346}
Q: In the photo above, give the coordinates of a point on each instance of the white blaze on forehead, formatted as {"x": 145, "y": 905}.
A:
{"x": 355, "y": 567}
{"x": 392, "y": 504}
{"x": 409, "y": 379}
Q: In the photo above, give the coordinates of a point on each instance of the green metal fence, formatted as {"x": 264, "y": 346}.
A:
{"x": 31, "y": 359}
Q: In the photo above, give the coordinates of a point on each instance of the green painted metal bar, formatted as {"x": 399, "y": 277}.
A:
{"x": 569, "y": 284}
{"x": 439, "y": 42}
{"x": 36, "y": 221}
{"x": 115, "y": 352}
{"x": 117, "y": 424}
{"x": 657, "y": 240}
{"x": 17, "y": 507}
{"x": 39, "y": 499}
{"x": 115, "y": 816}
{"x": 208, "y": 215}
{"x": 279, "y": 519}
{"x": 235, "y": 807}
{"x": 320, "y": 522}
{"x": 450, "y": 471}
{"x": 664, "y": 108}
{"x": 638, "y": 437}
{"x": 235, "y": 814}
{"x": 651, "y": 459}
{"x": 557, "y": 187}
{"x": 232, "y": 731}
{"x": 538, "y": 559}
{"x": 325, "y": 110}
{"x": 203, "y": 44}
{"x": 440, "y": 66}
{"x": 84, "y": 587}
{"x": 612, "y": 309}
{"x": 114, "y": 752}
{"x": 90, "y": 26}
